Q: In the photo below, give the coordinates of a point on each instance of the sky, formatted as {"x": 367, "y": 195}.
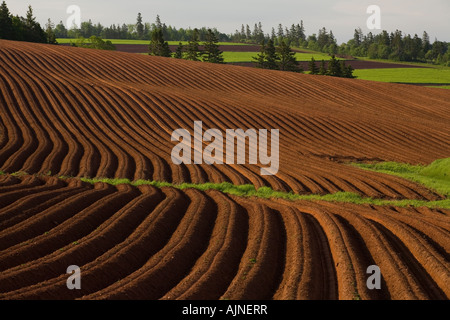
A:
{"x": 340, "y": 16}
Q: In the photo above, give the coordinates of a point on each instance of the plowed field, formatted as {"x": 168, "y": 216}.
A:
{"x": 87, "y": 113}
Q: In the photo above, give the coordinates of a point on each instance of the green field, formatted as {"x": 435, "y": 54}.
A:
{"x": 230, "y": 56}
{"x": 440, "y": 87}
{"x": 406, "y": 75}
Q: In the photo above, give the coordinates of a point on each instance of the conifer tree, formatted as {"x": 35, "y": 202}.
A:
{"x": 34, "y": 32}
{"x": 260, "y": 59}
{"x": 6, "y": 25}
{"x": 51, "y": 38}
{"x": 211, "y": 51}
{"x": 139, "y": 26}
{"x": 271, "y": 56}
{"x": 193, "y": 51}
{"x": 313, "y": 69}
{"x": 159, "y": 47}
{"x": 287, "y": 60}
{"x": 322, "y": 69}
{"x": 347, "y": 71}
{"x": 179, "y": 51}
{"x": 334, "y": 67}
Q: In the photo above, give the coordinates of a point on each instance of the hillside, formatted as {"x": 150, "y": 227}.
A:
{"x": 85, "y": 113}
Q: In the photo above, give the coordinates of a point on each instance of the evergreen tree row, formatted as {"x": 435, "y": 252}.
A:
{"x": 397, "y": 46}
{"x": 210, "y": 52}
{"x": 335, "y": 68}
{"x": 140, "y": 30}
{"x": 393, "y": 46}
{"x": 277, "y": 58}
{"x": 24, "y": 29}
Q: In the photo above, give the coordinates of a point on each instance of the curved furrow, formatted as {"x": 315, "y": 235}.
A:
{"x": 15, "y": 160}
{"x": 426, "y": 266}
{"x": 43, "y": 142}
{"x": 170, "y": 264}
{"x": 385, "y": 248}
{"x": 260, "y": 268}
{"x": 338, "y": 239}
{"x": 99, "y": 252}
{"x": 43, "y": 95}
{"x": 50, "y": 218}
{"x": 7, "y": 180}
{"x": 29, "y": 186}
{"x": 214, "y": 270}
{"x": 35, "y": 203}
{"x": 81, "y": 244}
{"x": 19, "y": 183}
{"x": 11, "y": 135}
{"x": 298, "y": 274}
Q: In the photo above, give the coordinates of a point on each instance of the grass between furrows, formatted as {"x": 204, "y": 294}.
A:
{"x": 435, "y": 176}
{"x": 248, "y": 190}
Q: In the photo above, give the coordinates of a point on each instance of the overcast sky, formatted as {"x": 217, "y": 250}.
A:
{"x": 341, "y": 16}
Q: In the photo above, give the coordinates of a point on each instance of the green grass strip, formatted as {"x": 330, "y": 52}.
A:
{"x": 248, "y": 190}
{"x": 435, "y": 176}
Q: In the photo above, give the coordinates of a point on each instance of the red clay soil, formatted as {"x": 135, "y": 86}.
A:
{"x": 86, "y": 113}
{"x": 149, "y": 243}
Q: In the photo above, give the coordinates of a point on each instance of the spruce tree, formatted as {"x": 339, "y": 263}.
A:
{"x": 33, "y": 31}
{"x": 287, "y": 60}
{"x": 51, "y": 37}
{"x": 159, "y": 47}
{"x": 179, "y": 51}
{"x": 6, "y": 25}
{"x": 271, "y": 56}
{"x": 193, "y": 51}
{"x": 211, "y": 51}
{"x": 347, "y": 71}
{"x": 322, "y": 69}
{"x": 313, "y": 69}
{"x": 334, "y": 67}
{"x": 139, "y": 26}
{"x": 260, "y": 59}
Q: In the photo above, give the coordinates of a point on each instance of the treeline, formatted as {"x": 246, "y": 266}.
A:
{"x": 210, "y": 52}
{"x": 137, "y": 31}
{"x": 276, "y": 58}
{"x": 397, "y": 46}
{"x": 24, "y": 28}
{"x": 393, "y": 46}
{"x": 294, "y": 36}
{"x": 282, "y": 58}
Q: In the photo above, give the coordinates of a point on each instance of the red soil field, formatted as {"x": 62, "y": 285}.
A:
{"x": 150, "y": 243}
{"x": 87, "y": 113}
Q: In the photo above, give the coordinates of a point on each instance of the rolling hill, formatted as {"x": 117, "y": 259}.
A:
{"x": 76, "y": 113}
